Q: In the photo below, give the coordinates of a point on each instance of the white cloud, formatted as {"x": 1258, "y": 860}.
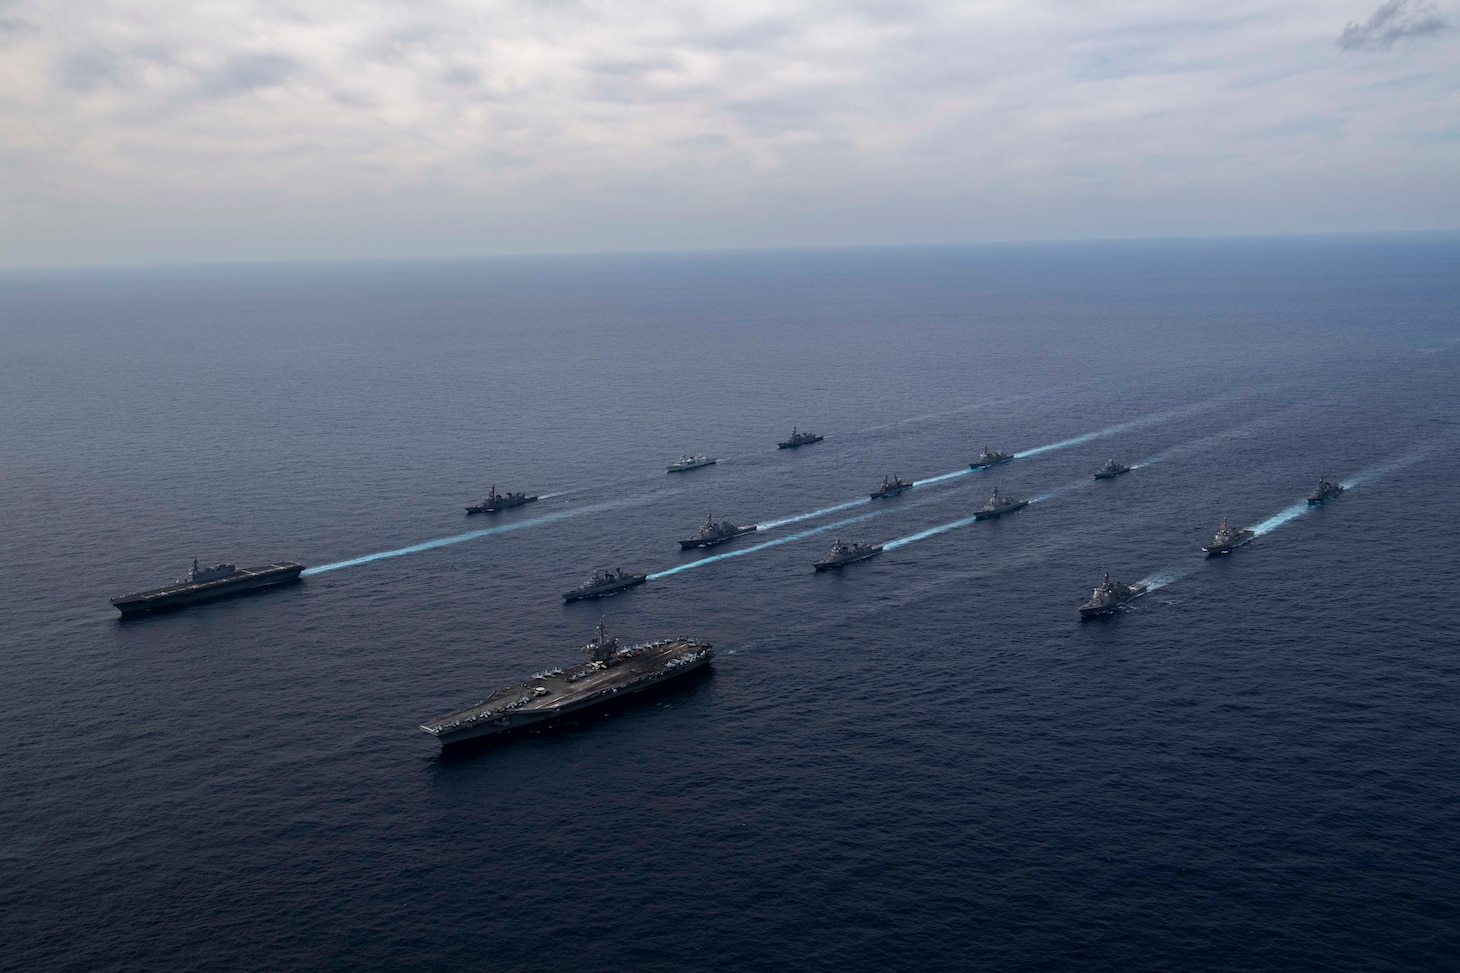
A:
{"x": 253, "y": 128}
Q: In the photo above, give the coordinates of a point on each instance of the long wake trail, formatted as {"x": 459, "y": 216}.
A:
{"x": 765, "y": 544}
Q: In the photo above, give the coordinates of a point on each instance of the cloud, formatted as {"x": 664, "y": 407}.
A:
{"x": 1392, "y": 22}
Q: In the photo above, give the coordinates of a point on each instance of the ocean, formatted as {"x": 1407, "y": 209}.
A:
{"x": 922, "y": 762}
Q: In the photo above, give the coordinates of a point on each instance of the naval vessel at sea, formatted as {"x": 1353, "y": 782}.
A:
{"x": 847, "y": 553}
{"x": 1326, "y": 490}
{"x": 605, "y": 583}
{"x": 1228, "y": 539}
{"x": 688, "y": 462}
{"x": 612, "y": 672}
{"x": 1108, "y": 596}
{"x": 205, "y": 584}
{"x": 998, "y": 506}
{"x": 799, "y": 438}
{"x": 500, "y": 501}
{"x": 989, "y": 457}
{"x": 714, "y": 532}
{"x": 1111, "y": 469}
{"x": 891, "y": 487}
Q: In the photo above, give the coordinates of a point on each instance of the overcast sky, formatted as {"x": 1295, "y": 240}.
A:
{"x": 146, "y": 130}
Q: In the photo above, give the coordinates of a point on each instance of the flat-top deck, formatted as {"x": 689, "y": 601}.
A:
{"x": 570, "y": 689}
{"x": 242, "y": 576}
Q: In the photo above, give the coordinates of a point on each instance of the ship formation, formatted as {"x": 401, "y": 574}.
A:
{"x": 714, "y": 532}
{"x": 1108, "y": 596}
{"x": 612, "y": 672}
{"x": 500, "y": 501}
{"x": 207, "y": 584}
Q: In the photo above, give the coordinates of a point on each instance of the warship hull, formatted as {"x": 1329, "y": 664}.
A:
{"x": 788, "y": 444}
{"x": 584, "y": 687}
{"x": 1112, "y": 475}
{"x": 686, "y": 467}
{"x": 186, "y": 593}
{"x": 491, "y": 508}
{"x": 692, "y": 543}
{"x": 603, "y": 591}
{"x": 1098, "y": 611}
{"x": 1217, "y": 550}
{"x": 991, "y": 514}
{"x": 983, "y": 466}
{"x": 895, "y": 491}
{"x": 843, "y": 562}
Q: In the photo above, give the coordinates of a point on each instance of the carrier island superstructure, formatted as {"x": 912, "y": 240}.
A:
{"x": 612, "y": 672}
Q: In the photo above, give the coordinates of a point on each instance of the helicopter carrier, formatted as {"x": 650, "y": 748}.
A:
{"x": 205, "y": 584}
{"x": 612, "y": 672}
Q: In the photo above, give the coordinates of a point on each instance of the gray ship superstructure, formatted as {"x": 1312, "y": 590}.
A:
{"x": 799, "y": 438}
{"x": 998, "y": 505}
{"x": 605, "y": 583}
{"x": 611, "y": 673}
{"x": 714, "y": 532}
{"x": 990, "y": 457}
{"x": 1108, "y": 596}
{"x": 1326, "y": 490}
{"x": 891, "y": 487}
{"x": 842, "y": 553}
{"x": 1228, "y": 539}
{"x": 500, "y": 501}
{"x": 688, "y": 462}
{"x": 206, "y": 584}
{"x": 1111, "y": 469}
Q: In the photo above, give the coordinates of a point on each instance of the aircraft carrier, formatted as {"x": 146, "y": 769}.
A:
{"x": 612, "y": 672}
{"x": 206, "y": 584}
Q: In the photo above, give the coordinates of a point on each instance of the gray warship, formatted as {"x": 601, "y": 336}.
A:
{"x": 1228, "y": 539}
{"x": 714, "y": 532}
{"x": 842, "y": 553}
{"x": 605, "y": 583}
{"x": 500, "y": 501}
{"x": 1108, "y": 596}
{"x": 206, "y": 584}
{"x": 688, "y": 462}
{"x": 799, "y": 438}
{"x": 989, "y": 457}
{"x": 891, "y": 487}
{"x": 611, "y": 673}
{"x": 998, "y": 506}
{"x": 1111, "y": 469}
{"x": 1326, "y": 490}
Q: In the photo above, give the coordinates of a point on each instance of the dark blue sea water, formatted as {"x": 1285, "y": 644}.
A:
{"x": 925, "y": 762}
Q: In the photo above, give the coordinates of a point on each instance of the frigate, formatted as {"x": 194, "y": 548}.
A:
{"x": 999, "y": 505}
{"x": 688, "y": 462}
{"x": 842, "y": 553}
{"x": 1108, "y": 596}
{"x": 990, "y": 457}
{"x": 891, "y": 487}
{"x": 799, "y": 438}
{"x": 714, "y": 532}
{"x": 612, "y": 672}
{"x": 1228, "y": 539}
{"x": 1111, "y": 469}
{"x": 1326, "y": 490}
{"x": 500, "y": 501}
{"x": 206, "y": 584}
{"x": 605, "y": 583}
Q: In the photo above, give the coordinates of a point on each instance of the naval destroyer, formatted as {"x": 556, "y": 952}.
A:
{"x": 998, "y": 506}
{"x": 847, "y": 553}
{"x": 799, "y": 438}
{"x": 1326, "y": 490}
{"x": 891, "y": 487}
{"x": 1111, "y": 469}
{"x": 714, "y": 532}
{"x": 1108, "y": 596}
{"x": 205, "y": 584}
{"x": 688, "y": 462}
{"x": 1228, "y": 539}
{"x": 605, "y": 583}
{"x": 989, "y": 457}
{"x": 500, "y": 501}
{"x": 612, "y": 672}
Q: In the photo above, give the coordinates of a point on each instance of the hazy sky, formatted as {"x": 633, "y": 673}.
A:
{"x": 140, "y": 130}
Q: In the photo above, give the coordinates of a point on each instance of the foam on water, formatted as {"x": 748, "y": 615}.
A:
{"x": 765, "y": 544}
